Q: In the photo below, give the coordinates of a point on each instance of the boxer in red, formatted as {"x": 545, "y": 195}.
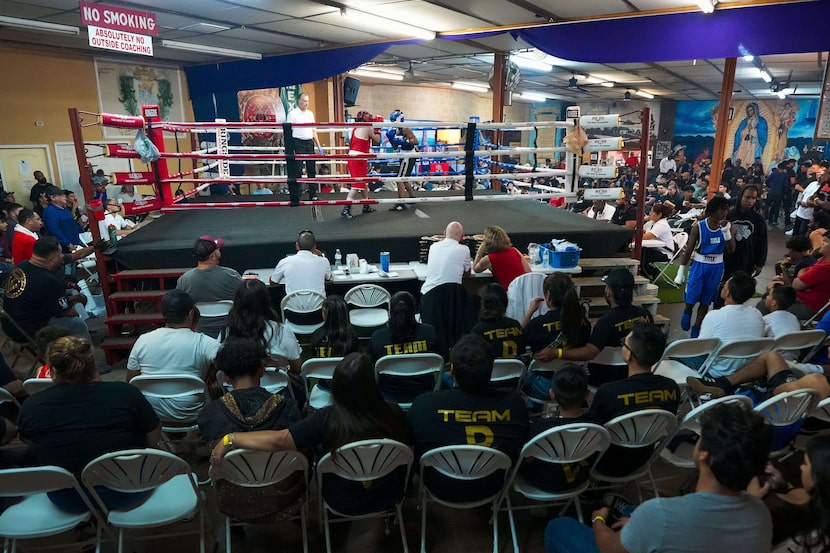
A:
{"x": 360, "y": 143}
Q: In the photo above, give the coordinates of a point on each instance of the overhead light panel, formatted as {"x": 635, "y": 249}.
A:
{"x": 644, "y": 94}
{"x": 391, "y": 70}
{"x": 765, "y": 74}
{"x": 378, "y": 74}
{"x": 205, "y": 49}
{"x": 533, "y": 97}
{"x": 470, "y": 87}
{"x": 707, "y": 6}
{"x": 749, "y": 57}
{"x": 384, "y": 25}
{"x": 607, "y": 84}
{"x": 34, "y": 25}
{"x": 531, "y": 64}
{"x": 781, "y": 94}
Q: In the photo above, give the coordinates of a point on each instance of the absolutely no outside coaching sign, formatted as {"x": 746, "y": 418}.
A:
{"x": 119, "y": 29}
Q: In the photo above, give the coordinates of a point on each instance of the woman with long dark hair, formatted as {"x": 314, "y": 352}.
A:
{"x": 800, "y": 514}
{"x": 253, "y": 317}
{"x": 503, "y": 334}
{"x": 564, "y": 326}
{"x": 403, "y": 335}
{"x": 358, "y": 412}
{"x": 336, "y": 338}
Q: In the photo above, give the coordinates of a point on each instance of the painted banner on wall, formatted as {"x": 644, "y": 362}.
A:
{"x": 773, "y": 130}
{"x": 125, "y": 87}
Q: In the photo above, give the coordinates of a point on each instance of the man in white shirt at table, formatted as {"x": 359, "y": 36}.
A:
{"x": 448, "y": 260}
{"x": 308, "y": 269}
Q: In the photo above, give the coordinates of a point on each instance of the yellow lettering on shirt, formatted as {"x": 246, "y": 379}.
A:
{"x": 479, "y": 435}
{"x": 550, "y": 327}
{"x": 509, "y": 349}
{"x": 484, "y": 415}
{"x": 628, "y": 323}
{"x": 418, "y": 346}
{"x": 648, "y": 397}
{"x": 501, "y": 333}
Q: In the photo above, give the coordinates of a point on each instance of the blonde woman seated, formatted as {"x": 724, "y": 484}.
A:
{"x": 498, "y": 254}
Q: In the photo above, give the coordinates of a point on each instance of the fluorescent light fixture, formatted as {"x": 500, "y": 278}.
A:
{"x": 470, "y": 87}
{"x": 533, "y": 97}
{"x": 607, "y": 84}
{"x": 590, "y": 79}
{"x": 205, "y": 49}
{"x": 707, "y": 6}
{"x": 33, "y": 25}
{"x": 749, "y": 57}
{"x": 384, "y": 25}
{"x": 531, "y": 64}
{"x": 644, "y": 94}
{"x": 377, "y": 74}
{"x": 382, "y": 69}
{"x": 781, "y": 94}
{"x": 766, "y": 76}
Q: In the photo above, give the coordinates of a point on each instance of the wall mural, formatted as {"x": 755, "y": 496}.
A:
{"x": 125, "y": 87}
{"x": 773, "y": 130}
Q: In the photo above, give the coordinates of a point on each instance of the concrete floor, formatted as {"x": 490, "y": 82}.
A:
{"x": 448, "y": 530}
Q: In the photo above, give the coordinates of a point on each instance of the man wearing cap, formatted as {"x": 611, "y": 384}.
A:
{"x": 175, "y": 348}
{"x": 60, "y": 221}
{"x": 209, "y": 281}
{"x": 404, "y": 139}
{"x": 609, "y": 331}
{"x": 308, "y": 269}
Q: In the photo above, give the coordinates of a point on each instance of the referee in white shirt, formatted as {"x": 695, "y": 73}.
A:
{"x": 306, "y": 141}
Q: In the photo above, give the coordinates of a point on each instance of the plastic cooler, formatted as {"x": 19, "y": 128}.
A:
{"x": 567, "y": 259}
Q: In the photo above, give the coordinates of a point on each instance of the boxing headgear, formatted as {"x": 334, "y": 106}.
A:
{"x": 396, "y": 115}
{"x": 364, "y": 116}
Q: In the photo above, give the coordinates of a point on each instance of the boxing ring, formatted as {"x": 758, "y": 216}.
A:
{"x": 258, "y": 232}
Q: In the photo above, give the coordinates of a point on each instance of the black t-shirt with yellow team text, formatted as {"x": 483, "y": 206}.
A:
{"x": 404, "y": 389}
{"x": 504, "y": 336}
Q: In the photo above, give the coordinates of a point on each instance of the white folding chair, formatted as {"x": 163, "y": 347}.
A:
{"x": 320, "y": 368}
{"x": 564, "y": 445}
{"x": 368, "y": 300}
{"x": 174, "y": 494}
{"x": 213, "y": 316}
{"x": 744, "y": 350}
{"x": 788, "y": 408}
{"x": 165, "y": 388}
{"x": 671, "y": 363}
{"x": 610, "y": 356}
{"x": 680, "y": 240}
{"x": 506, "y": 372}
{"x": 258, "y": 469}
{"x": 810, "y": 340}
{"x": 465, "y": 463}
{"x": 822, "y": 410}
{"x": 410, "y": 365}
{"x": 681, "y": 457}
{"x": 522, "y": 289}
{"x": 640, "y": 429}
{"x": 35, "y": 385}
{"x": 35, "y": 516}
{"x": 303, "y": 302}
{"x": 365, "y": 461}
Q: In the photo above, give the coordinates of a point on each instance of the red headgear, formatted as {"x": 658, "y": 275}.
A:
{"x": 364, "y": 116}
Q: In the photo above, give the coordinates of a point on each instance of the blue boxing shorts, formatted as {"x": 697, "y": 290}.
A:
{"x": 702, "y": 285}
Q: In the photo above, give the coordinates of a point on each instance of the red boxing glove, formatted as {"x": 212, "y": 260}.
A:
{"x": 378, "y": 119}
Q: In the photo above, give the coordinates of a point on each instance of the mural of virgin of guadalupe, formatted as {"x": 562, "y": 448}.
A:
{"x": 751, "y": 136}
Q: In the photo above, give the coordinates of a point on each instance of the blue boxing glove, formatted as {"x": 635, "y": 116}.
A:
{"x": 400, "y": 141}
{"x": 390, "y": 134}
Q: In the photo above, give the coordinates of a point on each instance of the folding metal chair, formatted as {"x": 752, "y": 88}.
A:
{"x": 680, "y": 240}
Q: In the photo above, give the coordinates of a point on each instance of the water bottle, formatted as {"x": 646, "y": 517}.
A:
{"x": 113, "y": 235}
{"x": 338, "y": 258}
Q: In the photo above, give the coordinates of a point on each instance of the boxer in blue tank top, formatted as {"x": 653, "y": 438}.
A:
{"x": 708, "y": 241}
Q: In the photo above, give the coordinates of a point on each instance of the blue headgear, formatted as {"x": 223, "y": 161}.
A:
{"x": 395, "y": 115}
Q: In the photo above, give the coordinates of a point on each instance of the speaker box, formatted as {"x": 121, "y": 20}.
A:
{"x": 350, "y": 88}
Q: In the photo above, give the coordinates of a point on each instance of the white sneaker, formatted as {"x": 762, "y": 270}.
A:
{"x": 789, "y": 232}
